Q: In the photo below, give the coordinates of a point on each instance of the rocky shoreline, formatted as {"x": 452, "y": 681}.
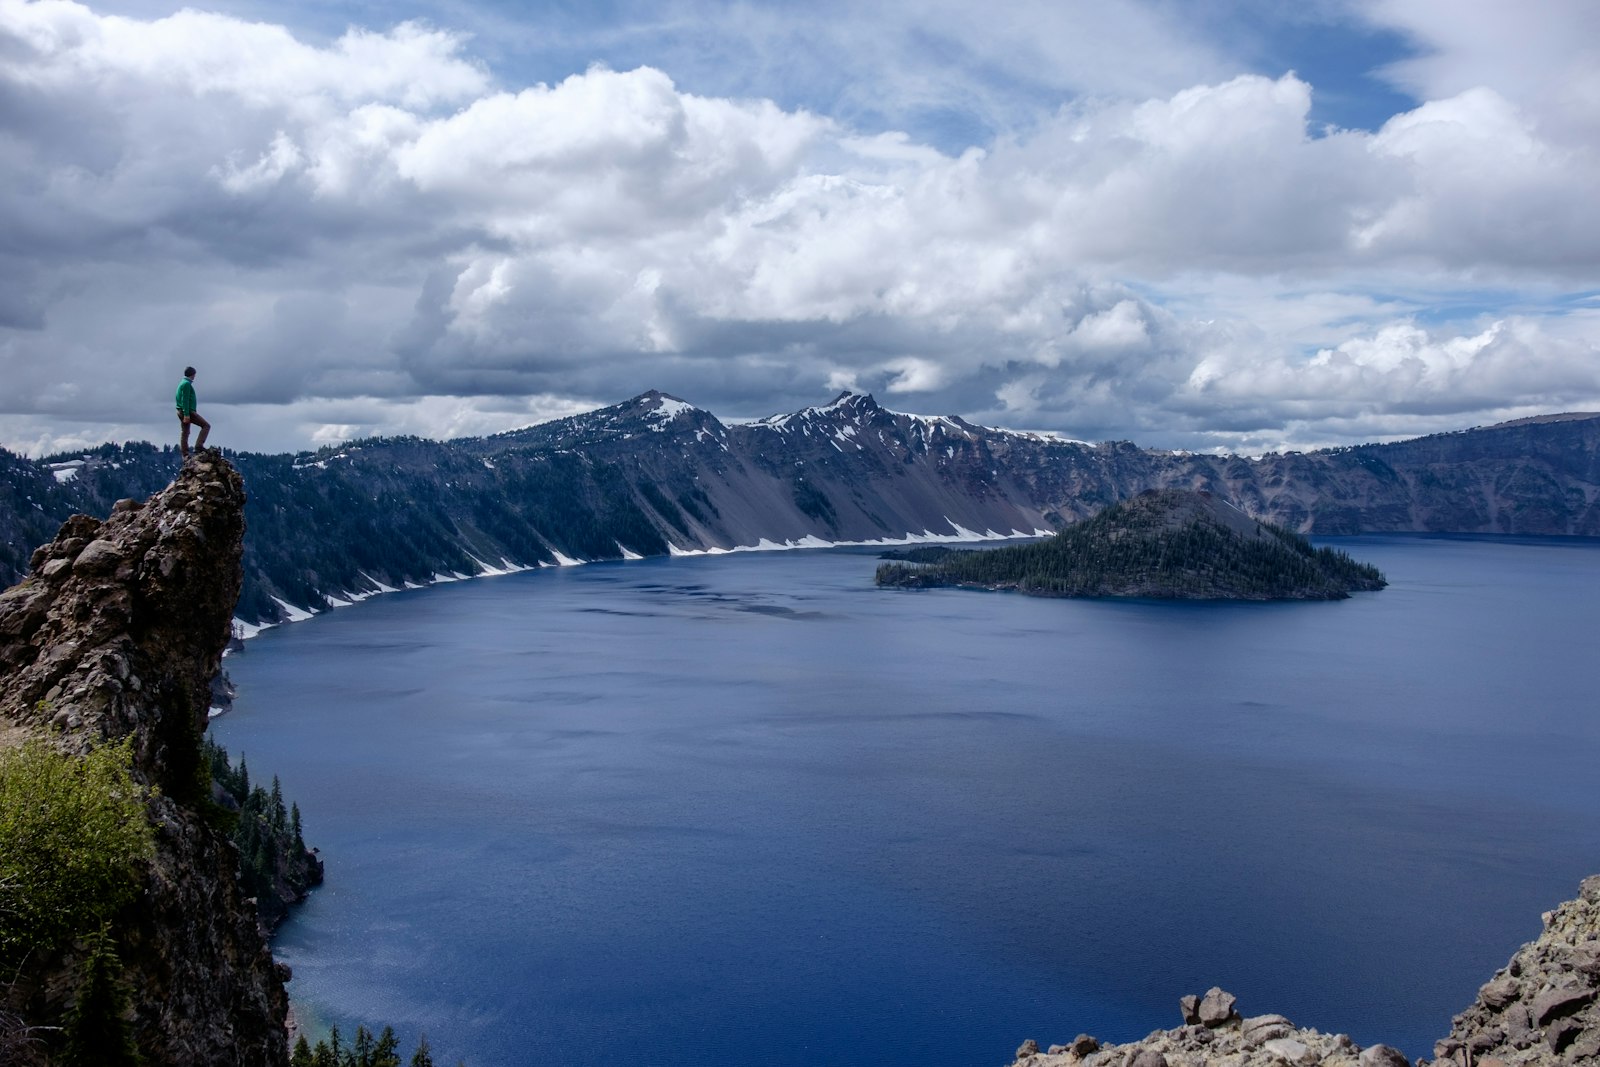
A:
{"x": 1541, "y": 1008}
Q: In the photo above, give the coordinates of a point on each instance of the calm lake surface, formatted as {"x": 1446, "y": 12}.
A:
{"x": 750, "y": 809}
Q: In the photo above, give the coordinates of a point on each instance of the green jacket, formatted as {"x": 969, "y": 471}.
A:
{"x": 185, "y": 397}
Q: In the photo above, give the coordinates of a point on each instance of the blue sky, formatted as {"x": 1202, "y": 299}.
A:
{"x": 1218, "y": 225}
{"x": 1340, "y": 53}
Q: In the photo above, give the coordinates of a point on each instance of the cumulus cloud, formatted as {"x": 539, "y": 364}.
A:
{"x": 375, "y": 235}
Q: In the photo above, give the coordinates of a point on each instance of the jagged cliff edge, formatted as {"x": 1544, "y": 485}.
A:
{"x": 116, "y": 632}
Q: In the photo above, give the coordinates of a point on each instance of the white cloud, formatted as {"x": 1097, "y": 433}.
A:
{"x": 373, "y": 221}
{"x": 261, "y": 65}
{"x": 1544, "y": 58}
{"x": 1120, "y": 327}
{"x": 277, "y": 161}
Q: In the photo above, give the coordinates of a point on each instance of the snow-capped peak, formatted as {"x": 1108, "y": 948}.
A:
{"x": 847, "y": 404}
{"x": 663, "y": 408}
{"x": 848, "y": 400}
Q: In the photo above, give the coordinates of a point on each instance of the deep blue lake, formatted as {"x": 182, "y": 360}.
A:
{"x": 751, "y": 809}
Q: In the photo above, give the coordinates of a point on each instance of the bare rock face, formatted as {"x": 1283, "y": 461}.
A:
{"x": 117, "y": 631}
{"x": 1541, "y": 1008}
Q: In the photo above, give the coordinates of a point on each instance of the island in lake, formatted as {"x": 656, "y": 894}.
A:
{"x": 1165, "y": 543}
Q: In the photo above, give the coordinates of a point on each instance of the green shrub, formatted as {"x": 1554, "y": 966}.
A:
{"x": 71, "y": 830}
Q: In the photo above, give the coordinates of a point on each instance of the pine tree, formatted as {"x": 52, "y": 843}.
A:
{"x": 278, "y": 815}
{"x": 302, "y": 1057}
{"x": 294, "y": 825}
{"x": 386, "y": 1053}
{"x": 423, "y": 1057}
{"x": 98, "y": 1034}
{"x": 363, "y": 1047}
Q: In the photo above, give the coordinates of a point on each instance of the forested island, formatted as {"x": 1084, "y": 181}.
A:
{"x": 1163, "y": 543}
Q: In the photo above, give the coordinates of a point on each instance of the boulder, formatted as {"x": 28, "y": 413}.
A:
{"x": 1290, "y": 1051}
{"x": 1500, "y": 992}
{"x": 98, "y": 557}
{"x": 1561, "y": 1033}
{"x": 1558, "y": 1002}
{"x": 1382, "y": 1056}
{"x": 1216, "y": 1007}
{"x": 1261, "y": 1028}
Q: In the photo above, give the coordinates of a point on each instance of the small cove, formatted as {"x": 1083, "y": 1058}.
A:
{"x": 751, "y": 809}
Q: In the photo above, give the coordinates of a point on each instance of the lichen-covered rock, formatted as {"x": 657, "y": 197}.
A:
{"x": 117, "y": 632}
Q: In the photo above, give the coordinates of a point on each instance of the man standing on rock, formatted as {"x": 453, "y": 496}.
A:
{"x": 187, "y": 414}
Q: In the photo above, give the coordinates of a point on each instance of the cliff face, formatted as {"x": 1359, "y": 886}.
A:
{"x": 116, "y": 632}
{"x": 656, "y": 474}
{"x": 1540, "y": 1009}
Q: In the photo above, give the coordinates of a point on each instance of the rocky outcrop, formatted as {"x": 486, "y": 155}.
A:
{"x": 117, "y": 631}
{"x": 1214, "y": 1035}
{"x": 1541, "y": 1008}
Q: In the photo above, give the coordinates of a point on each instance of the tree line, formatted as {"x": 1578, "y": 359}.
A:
{"x": 1121, "y": 552}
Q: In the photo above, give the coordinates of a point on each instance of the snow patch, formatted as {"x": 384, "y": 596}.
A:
{"x": 964, "y": 534}
{"x": 667, "y": 408}
{"x": 485, "y": 570}
{"x": 247, "y": 630}
{"x": 926, "y": 537}
{"x": 294, "y": 614}
{"x": 244, "y": 631}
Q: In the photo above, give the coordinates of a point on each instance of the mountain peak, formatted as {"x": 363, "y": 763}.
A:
{"x": 852, "y": 399}
{"x": 660, "y": 407}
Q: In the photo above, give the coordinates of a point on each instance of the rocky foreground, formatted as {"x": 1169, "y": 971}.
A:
{"x": 1539, "y": 1009}
{"x": 116, "y": 632}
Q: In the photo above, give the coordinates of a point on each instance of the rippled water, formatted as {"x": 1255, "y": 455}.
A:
{"x": 750, "y": 809}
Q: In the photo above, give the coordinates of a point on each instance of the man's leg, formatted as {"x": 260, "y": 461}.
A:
{"x": 183, "y": 441}
{"x": 205, "y": 428}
